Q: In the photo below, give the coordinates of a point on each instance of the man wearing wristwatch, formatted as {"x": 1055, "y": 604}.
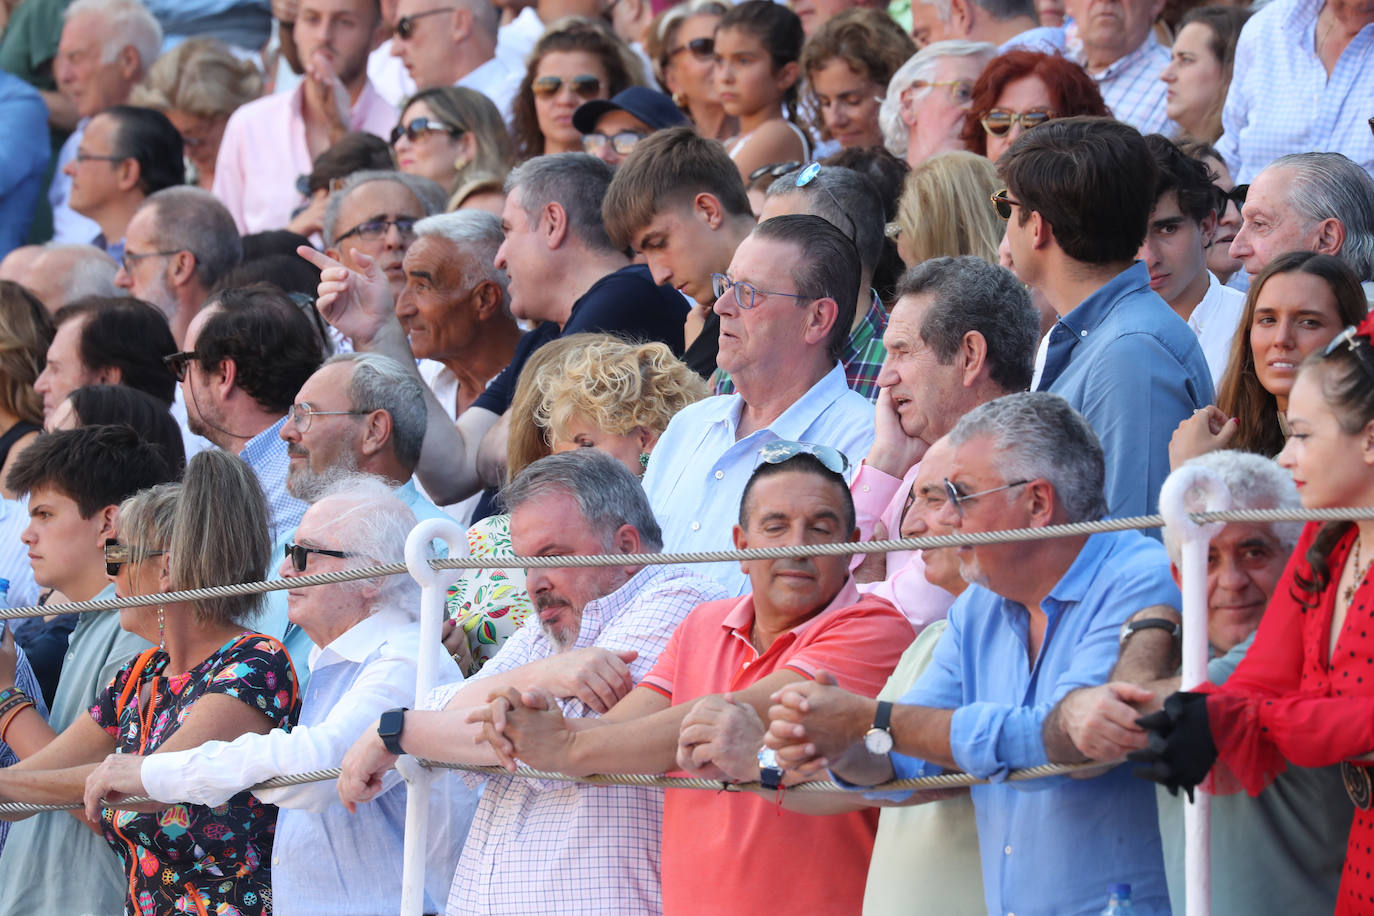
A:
{"x": 1041, "y": 618}
{"x": 1283, "y": 850}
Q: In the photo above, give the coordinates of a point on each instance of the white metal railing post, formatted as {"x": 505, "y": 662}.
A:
{"x": 1195, "y": 489}
{"x": 434, "y": 584}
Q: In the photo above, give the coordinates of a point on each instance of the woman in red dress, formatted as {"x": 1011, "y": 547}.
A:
{"x": 1305, "y": 692}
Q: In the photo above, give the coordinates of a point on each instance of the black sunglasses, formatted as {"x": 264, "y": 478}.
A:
{"x": 585, "y": 86}
{"x": 701, "y": 48}
{"x": 176, "y": 363}
{"x": 405, "y": 26}
{"x": 117, "y": 554}
{"x": 773, "y": 170}
{"x": 418, "y": 127}
{"x": 1236, "y": 196}
{"x": 299, "y": 554}
{"x": 1003, "y": 203}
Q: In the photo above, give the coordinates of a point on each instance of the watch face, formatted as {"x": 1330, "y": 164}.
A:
{"x": 878, "y": 741}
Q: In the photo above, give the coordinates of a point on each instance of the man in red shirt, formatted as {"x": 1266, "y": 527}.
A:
{"x": 804, "y": 616}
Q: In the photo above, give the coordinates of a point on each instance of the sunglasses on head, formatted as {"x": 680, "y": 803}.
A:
{"x": 783, "y": 450}
{"x": 999, "y": 121}
{"x": 299, "y": 554}
{"x": 117, "y": 554}
{"x": 405, "y": 26}
{"x": 773, "y": 170}
{"x": 701, "y": 48}
{"x": 585, "y": 86}
{"x": 418, "y": 127}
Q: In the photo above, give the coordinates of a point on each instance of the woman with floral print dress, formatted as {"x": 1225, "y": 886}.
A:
{"x": 207, "y": 677}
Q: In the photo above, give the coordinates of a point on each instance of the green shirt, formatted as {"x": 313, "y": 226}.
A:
{"x": 52, "y": 863}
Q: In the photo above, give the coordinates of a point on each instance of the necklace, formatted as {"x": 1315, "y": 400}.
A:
{"x": 1359, "y": 576}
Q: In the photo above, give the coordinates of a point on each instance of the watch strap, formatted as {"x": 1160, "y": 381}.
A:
{"x": 1151, "y": 623}
{"x": 389, "y": 728}
{"x": 882, "y": 717}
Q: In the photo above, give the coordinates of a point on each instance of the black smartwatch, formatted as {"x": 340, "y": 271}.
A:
{"x": 389, "y": 728}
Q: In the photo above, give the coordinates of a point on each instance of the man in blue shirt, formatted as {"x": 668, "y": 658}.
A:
{"x": 1077, "y": 204}
{"x": 1041, "y": 618}
{"x": 23, "y": 158}
{"x": 785, "y": 307}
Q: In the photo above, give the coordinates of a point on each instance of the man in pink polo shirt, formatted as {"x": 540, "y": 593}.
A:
{"x": 804, "y": 616}
{"x": 270, "y": 142}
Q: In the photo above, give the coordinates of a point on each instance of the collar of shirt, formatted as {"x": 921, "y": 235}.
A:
{"x": 260, "y": 445}
{"x": 795, "y": 419}
{"x": 873, "y": 324}
{"x": 740, "y": 621}
{"x": 1078, "y": 578}
{"x": 362, "y": 639}
{"x": 1074, "y": 45}
{"x": 1092, "y": 311}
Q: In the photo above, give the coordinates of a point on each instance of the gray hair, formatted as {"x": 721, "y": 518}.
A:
{"x": 478, "y": 235}
{"x": 372, "y": 524}
{"x": 848, "y": 201}
{"x": 969, "y": 294}
{"x": 1325, "y": 186}
{"x": 484, "y": 15}
{"x": 380, "y": 383}
{"x": 127, "y": 23}
{"x": 575, "y": 181}
{"x": 1037, "y": 435}
{"x": 1255, "y": 482}
{"x": 607, "y": 494}
{"x": 84, "y": 271}
{"x": 194, "y": 219}
{"x": 921, "y": 68}
{"x": 431, "y": 197}
{"x": 1000, "y": 10}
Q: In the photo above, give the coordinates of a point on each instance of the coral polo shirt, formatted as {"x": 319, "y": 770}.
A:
{"x": 726, "y": 852}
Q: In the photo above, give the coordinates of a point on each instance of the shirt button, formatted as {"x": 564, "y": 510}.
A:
{"x": 720, "y": 475}
{"x": 1006, "y": 850}
{"x": 1082, "y": 333}
{"x": 276, "y": 860}
{"x": 696, "y": 526}
{"x": 865, "y": 488}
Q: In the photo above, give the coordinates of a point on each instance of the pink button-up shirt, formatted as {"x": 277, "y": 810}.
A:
{"x": 264, "y": 151}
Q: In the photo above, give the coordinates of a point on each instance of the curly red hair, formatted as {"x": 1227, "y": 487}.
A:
{"x": 1071, "y": 89}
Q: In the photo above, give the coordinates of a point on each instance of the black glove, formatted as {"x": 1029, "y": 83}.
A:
{"x": 1180, "y": 750}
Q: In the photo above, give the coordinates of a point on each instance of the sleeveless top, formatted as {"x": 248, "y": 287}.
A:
{"x": 738, "y": 143}
{"x": 16, "y": 432}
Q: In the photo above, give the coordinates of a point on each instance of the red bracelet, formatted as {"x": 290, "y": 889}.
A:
{"x": 5, "y": 726}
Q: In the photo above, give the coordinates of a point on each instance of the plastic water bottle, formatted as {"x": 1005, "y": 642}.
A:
{"x": 1118, "y": 901}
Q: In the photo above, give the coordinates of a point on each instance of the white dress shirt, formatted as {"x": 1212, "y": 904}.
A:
{"x": 1214, "y": 321}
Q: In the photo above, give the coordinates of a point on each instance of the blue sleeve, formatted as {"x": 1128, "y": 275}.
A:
{"x": 24, "y": 153}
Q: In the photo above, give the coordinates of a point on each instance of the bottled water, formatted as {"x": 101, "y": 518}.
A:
{"x": 1119, "y": 901}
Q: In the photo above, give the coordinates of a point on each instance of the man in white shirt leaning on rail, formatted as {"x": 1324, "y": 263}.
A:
{"x": 325, "y": 859}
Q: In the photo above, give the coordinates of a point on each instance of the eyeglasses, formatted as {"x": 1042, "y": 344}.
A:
{"x": 960, "y": 91}
{"x": 405, "y": 26}
{"x": 418, "y": 127}
{"x": 999, "y": 121}
{"x": 959, "y": 500}
{"x": 585, "y": 86}
{"x": 745, "y": 293}
{"x": 117, "y": 554}
{"x": 701, "y": 48}
{"x": 298, "y": 554}
{"x": 128, "y": 259}
{"x": 1003, "y": 203}
{"x": 1235, "y": 196}
{"x": 301, "y": 414}
{"x": 773, "y": 170}
{"x": 89, "y": 157}
{"x": 785, "y": 449}
{"x": 375, "y": 229}
{"x": 807, "y": 176}
{"x": 176, "y": 362}
{"x": 622, "y": 142}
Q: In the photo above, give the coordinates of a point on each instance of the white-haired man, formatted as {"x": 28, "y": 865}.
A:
{"x": 106, "y": 47}
{"x": 324, "y": 859}
{"x": 57, "y": 274}
{"x": 1279, "y": 852}
{"x": 923, "y": 111}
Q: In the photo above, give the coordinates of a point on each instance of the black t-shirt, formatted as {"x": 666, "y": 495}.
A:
{"x": 625, "y": 303}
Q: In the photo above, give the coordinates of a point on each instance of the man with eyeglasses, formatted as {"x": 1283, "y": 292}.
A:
{"x": 922, "y": 114}
{"x": 453, "y": 43}
{"x": 610, "y": 128}
{"x": 1077, "y": 207}
{"x": 785, "y": 305}
{"x": 374, "y": 214}
{"x": 333, "y": 39}
{"x": 1039, "y": 619}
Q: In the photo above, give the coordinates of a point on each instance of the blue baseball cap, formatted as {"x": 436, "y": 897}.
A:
{"x": 652, "y": 107}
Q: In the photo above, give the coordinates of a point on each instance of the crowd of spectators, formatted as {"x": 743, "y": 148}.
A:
{"x": 280, "y": 279}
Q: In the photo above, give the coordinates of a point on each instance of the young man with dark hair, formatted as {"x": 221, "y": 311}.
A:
{"x": 678, "y": 200}
{"x": 75, "y": 481}
{"x": 1077, "y": 204}
{"x": 1182, "y": 225}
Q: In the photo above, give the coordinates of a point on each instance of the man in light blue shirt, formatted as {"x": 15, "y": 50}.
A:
{"x": 324, "y": 859}
{"x": 785, "y": 306}
{"x": 24, "y": 152}
{"x": 1077, "y": 206}
{"x": 1041, "y": 618}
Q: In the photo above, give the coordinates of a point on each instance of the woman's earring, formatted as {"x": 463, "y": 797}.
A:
{"x": 161, "y": 627}
{"x": 680, "y": 100}
{"x": 643, "y": 461}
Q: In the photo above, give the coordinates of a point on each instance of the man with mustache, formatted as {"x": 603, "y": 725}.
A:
{"x": 556, "y": 847}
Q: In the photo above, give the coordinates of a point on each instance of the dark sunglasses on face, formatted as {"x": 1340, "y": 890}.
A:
{"x": 701, "y": 48}
{"x": 585, "y": 86}
{"x": 622, "y": 142}
{"x": 405, "y": 26}
{"x": 1003, "y": 203}
{"x": 1234, "y": 196}
{"x": 176, "y": 363}
{"x": 117, "y": 554}
{"x": 299, "y": 554}
{"x": 999, "y": 121}
{"x": 418, "y": 127}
